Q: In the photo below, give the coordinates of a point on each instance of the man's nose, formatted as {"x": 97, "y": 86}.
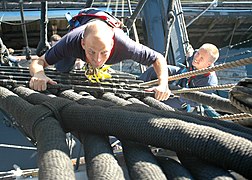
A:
{"x": 98, "y": 57}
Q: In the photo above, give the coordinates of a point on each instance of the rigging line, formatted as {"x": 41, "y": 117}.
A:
{"x": 170, "y": 19}
{"x": 134, "y": 24}
{"x": 7, "y": 176}
{"x": 217, "y": 87}
{"x": 116, "y": 7}
{"x": 89, "y": 3}
{"x": 17, "y": 147}
{"x": 18, "y": 24}
{"x": 122, "y": 14}
{"x": 232, "y": 64}
{"x": 142, "y": 67}
{"x": 136, "y": 12}
{"x": 237, "y": 54}
{"x": 79, "y": 88}
{"x": 234, "y": 116}
{"x": 214, "y": 4}
{"x": 28, "y": 54}
{"x": 250, "y": 28}
{"x": 108, "y": 5}
{"x": 24, "y": 171}
{"x": 12, "y": 173}
{"x": 231, "y": 39}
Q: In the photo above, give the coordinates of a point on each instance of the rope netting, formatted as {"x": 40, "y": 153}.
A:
{"x": 120, "y": 107}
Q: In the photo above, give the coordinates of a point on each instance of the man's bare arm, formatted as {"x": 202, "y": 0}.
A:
{"x": 162, "y": 90}
{"x": 39, "y": 79}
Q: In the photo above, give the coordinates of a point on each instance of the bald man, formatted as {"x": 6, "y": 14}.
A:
{"x": 98, "y": 43}
{"x": 202, "y": 58}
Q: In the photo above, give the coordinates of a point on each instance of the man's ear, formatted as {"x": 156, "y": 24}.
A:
{"x": 210, "y": 63}
{"x": 83, "y": 43}
{"x": 112, "y": 43}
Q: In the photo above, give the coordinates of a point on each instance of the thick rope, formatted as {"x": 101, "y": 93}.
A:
{"x": 240, "y": 105}
{"x": 240, "y": 95}
{"x": 203, "y": 170}
{"x": 188, "y": 117}
{"x": 244, "y": 122}
{"x": 141, "y": 163}
{"x": 200, "y": 120}
{"x": 147, "y": 128}
{"x": 53, "y": 162}
{"x": 53, "y": 152}
{"x": 108, "y": 98}
{"x": 174, "y": 169}
{"x": 79, "y": 88}
{"x": 131, "y": 99}
{"x": 99, "y": 157}
{"x": 241, "y": 62}
{"x": 157, "y": 104}
{"x": 100, "y": 161}
{"x": 206, "y": 88}
{"x": 171, "y": 134}
{"x": 235, "y": 116}
{"x": 217, "y": 102}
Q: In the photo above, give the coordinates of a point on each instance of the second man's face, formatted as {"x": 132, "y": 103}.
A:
{"x": 201, "y": 59}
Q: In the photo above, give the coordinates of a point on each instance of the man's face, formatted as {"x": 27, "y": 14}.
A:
{"x": 97, "y": 50}
{"x": 201, "y": 59}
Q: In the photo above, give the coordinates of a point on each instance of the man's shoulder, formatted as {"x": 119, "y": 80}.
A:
{"x": 120, "y": 34}
{"x": 72, "y": 37}
{"x": 77, "y": 31}
{"x": 122, "y": 39}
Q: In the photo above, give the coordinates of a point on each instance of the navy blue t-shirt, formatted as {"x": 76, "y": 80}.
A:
{"x": 69, "y": 48}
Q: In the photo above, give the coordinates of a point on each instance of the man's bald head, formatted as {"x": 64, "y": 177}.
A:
{"x": 98, "y": 29}
{"x": 97, "y": 42}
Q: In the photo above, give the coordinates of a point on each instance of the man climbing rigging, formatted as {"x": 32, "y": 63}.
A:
{"x": 202, "y": 58}
{"x": 97, "y": 42}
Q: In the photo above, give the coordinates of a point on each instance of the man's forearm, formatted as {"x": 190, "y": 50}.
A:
{"x": 160, "y": 67}
{"x": 39, "y": 79}
{"x": 37, "y": 66}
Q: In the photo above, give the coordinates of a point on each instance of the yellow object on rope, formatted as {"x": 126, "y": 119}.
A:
{"x": 95, "y": 75}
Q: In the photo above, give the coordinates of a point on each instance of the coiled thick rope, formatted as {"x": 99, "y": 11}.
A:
{"x": 235, "y": 116}
{"x": 217, "y": 102}
{"x": 174, "y": 169}
{"x": 203, "y": 170}
{"x": 188, "y": 117}
{"x": 171, "y": 133}
{"x": 54, "y": 162}
{"x": 206, "y": 88}
{"x": 138, "y": 152}
{"x": 100, "y": 165}
{"x": 140, "y": 161}
{"x": 240, "y": 95}
{"x": 99, "y": 157}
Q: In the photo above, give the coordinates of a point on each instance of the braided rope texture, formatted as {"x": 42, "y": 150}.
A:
{"x": 240, "y": 95}
{"x": 211, "y": 142}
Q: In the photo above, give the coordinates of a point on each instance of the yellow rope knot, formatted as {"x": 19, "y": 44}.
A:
{"x": 96, "y": 75}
